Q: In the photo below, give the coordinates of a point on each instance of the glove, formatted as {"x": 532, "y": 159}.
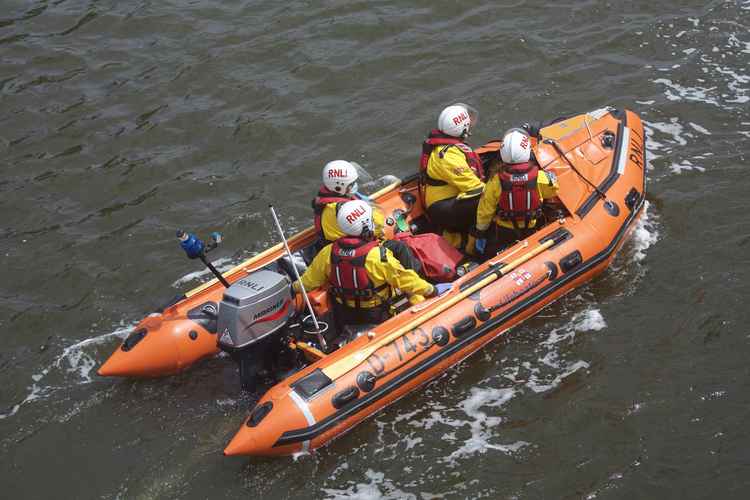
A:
{"x": 441, "y": 288}
{"x": 191, "y": 244}
{"x": 480, "y": 244}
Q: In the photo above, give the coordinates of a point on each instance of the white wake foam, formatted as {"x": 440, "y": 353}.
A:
{"x": 673, "y": 129}
{"x": 677, "y": 92}
{"x": 223, "y": 264}
{"x": 590, "y": 320}
{"x": 73, "y": 360}
{"x": 481, "y": 406}
{"x": 685, "y": 166}
{"x": 378, "y": 487}
{"x": 76, "y": 360}
{"x": 669, "y": 139}
{"x": 721, "y": 86}
{"x": 552, "y": 368}
{"x": 482, "y": 422}
{"x": 646, "y": 233}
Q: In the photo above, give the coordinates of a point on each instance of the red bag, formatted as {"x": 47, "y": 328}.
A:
{"x": 438, "y": 257}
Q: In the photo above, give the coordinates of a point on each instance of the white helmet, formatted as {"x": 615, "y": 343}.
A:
{"x": 457, "y": 120}
{"x": 340, "y": 176}
{"x": 355, "y": 218}
{"x": 516, "y": 147}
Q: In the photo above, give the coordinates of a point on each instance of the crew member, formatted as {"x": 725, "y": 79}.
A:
{"x": 339, "y": 186}
{"x": 514, "y": 196}
{"x": 361, "y": 273}
{"x": 452, "y": 177}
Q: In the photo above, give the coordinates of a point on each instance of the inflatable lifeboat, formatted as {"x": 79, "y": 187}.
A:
{"x": 314, "y": 394}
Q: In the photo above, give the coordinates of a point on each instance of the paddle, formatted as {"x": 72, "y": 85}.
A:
{"x": 348, "y": 363}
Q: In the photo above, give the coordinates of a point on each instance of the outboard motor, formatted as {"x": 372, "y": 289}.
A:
{"x": 253, "y": 315}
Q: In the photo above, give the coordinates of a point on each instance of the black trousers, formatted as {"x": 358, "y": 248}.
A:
{"x": 453, "y": 214}
{"x": 499, "y": 238}
{"x": 345, "y": 315}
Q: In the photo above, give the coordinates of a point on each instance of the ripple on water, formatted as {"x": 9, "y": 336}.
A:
{"x": 104, "y": 101}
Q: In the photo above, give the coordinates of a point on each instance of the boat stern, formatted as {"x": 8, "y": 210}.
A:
{"x": 263, "y": 430}
{"x": 158, "y": 348}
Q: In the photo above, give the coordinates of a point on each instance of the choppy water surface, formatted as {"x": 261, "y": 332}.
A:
{"x": 121, "y": 121}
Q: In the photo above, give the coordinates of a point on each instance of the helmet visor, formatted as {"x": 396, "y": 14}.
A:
{"x": 363, "y": 177}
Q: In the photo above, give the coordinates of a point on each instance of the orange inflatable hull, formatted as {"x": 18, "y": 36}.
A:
{"x": 599, "y": 159}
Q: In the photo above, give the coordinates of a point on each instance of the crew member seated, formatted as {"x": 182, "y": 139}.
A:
{"x": 339, "y": 186}
{"x": 452, "y": 175}
{"x": 513, "y": 197}
{"x": 361, "y": 273}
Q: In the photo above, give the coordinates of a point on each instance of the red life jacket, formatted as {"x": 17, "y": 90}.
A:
{"x": 519, "y": 199}
{"x": 325, "y": 197}
{"x": 437, "y": 138}
{"x": 348, "y": 279}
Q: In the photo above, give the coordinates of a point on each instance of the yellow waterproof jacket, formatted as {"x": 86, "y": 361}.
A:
{"x": 546, "y": 185}
{"x": 452, "y": 168}
{"x": 391, "y": 272}
{"x": 331, "y": 229}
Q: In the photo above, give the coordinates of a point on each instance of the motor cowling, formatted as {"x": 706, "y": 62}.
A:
{"x": 253, "y": 309}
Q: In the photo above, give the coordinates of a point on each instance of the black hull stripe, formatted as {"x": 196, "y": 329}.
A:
{"x": 327, "y": 423}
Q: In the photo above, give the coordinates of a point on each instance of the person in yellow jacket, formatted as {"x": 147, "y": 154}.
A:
{"x": 362, "y": 274}
{"x": 513, "y": 197}
{"x": 452, "y": 176}
{"x": 339, "y": 186}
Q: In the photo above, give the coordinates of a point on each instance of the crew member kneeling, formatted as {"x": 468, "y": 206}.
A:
{"x": 513, "y": 197}
{"x": 361, "y": 273}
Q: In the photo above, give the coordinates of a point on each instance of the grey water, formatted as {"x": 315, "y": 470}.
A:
{"x": 123, "y": 121}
